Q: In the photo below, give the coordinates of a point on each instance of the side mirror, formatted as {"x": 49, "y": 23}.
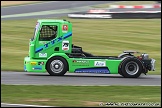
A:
{"x": 30, "y": 39}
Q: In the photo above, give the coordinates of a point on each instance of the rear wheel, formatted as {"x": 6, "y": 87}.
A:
{"x": 57, "y": 66}
{"x": 131, "y": 68}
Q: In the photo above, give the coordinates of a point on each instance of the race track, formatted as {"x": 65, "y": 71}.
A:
{"x": 48, "y": 9}
{"x": 21, "y": 12}
{"x": 55, "y": 9}
{"x": 24, "y": 78}
{"x": 52, "y": 9}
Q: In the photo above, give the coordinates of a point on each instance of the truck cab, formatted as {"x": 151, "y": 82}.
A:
{"x": 50, "y": 37}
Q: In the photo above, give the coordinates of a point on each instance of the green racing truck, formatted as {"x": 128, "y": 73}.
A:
{"x": 51, "y": 50}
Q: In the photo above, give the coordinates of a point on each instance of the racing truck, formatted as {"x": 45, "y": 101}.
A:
{"x": 51, "y": 50}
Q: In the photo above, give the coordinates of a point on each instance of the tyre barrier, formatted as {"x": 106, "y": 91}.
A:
{"x": 149, "y": 15}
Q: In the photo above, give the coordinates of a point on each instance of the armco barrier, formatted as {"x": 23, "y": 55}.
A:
{"x": 116, "y": 15}
{"x": 90, "y": 15}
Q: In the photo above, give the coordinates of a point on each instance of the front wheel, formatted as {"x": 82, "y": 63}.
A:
{"x": 57, "y": 66}
{"x": 131, "y": 68}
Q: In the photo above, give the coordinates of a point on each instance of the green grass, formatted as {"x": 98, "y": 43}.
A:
{"x": 78, "y": 95}
{"x": 99, "y": 37}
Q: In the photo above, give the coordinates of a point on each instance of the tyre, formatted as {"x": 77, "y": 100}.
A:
{"x": 131, "y": 68}
{"x": 57, "y": 66}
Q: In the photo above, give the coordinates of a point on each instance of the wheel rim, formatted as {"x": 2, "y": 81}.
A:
{"x": 57, "y": 66}
{"x": 132, "y": 68}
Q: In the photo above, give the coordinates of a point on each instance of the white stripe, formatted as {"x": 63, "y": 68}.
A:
{"x": 26, "y": 105}
{"x": 89, "y": 16}
{"x": 128, "y": 6}
{"x": 149, "y": 85}
{"x": 80, "y": 85}
{"x": 148, "y": 6}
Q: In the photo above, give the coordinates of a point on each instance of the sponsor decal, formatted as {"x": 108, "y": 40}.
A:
{"x": 99, "y": 63}
{"x": 93, "y": 70}
{"x": 80, "y": 62}
{"x": 42, "y": 42}
{"x": 40, "y": 63}
{"x": 42, "y": 54}
{"x": 37, "y": 68}
{"x": 64, "y": 28}
{"x": 33, "y": 63}
{"x": 65, "y": 45}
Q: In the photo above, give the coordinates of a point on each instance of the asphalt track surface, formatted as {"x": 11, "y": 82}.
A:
{"x": 52, "y": 5}
{"x": 78, "y": 79}
{"x": 46, "y": 6}
{"x": 55, "y": 9}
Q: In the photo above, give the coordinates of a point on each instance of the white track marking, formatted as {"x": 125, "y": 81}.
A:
{"x": 25, "y": 105}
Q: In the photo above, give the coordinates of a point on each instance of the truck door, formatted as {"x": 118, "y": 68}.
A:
{"x": 47, "y": 34}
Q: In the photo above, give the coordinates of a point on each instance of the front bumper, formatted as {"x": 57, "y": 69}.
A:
{"x": 149, "y": 64}
{"x": 153, "y": 64}
{"x": 34, "y": 65}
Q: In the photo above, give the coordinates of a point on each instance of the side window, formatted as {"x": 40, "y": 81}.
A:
{"x": 48, "y": 32}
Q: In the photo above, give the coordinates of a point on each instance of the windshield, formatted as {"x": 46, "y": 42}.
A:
{"x": 35, "y": 31}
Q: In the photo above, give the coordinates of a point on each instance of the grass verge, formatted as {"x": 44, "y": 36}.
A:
{"x": 78, "y": 95}
{"x": 17, "y": 3}
{"x": 99, "y": 37}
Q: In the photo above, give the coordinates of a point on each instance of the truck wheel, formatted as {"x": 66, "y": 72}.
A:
{"x": 131, "y": 68}
{"x": 57, "y": 66}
